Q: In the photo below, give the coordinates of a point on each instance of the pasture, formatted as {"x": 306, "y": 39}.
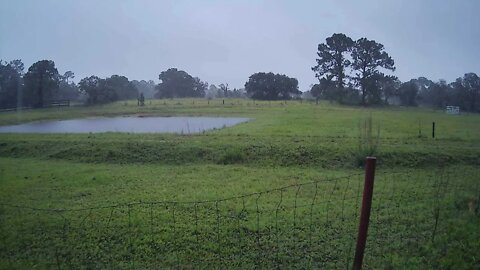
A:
{"x": 282, "y": 190}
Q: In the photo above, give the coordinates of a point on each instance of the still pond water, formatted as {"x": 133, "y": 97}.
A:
{"x": 181, "y": 125}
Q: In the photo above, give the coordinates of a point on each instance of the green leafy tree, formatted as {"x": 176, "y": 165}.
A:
{"x": 408, "y": 93}
{"x": 11, "y": 83}
{"x": 368, "y": 56}
{"x": 389, "y": 87}
{"x": 122, "y": 87}
{"x": 333, "y": 59}
{"x": 467, "y": 90}
{"x": 199, "y": 87}
{"x": 67, "y": 89}
{"x": 224, "y": 89}
{"x": 176, "y": 83}
{"x": 41, "y": 81}
{"x": 269, "y": 86}
{"x": 97, "y": 90}
{"x": 438, "y": 94}
{"x": 424, "y": 90}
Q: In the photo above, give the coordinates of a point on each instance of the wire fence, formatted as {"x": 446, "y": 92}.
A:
{"x": 309, "y": 225}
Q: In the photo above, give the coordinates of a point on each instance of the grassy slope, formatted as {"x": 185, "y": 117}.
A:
{"x": 279, "y": 134}
{"x": 284, "y": 144}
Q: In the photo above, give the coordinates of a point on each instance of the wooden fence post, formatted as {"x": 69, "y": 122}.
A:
{"x": 365, "y": 214}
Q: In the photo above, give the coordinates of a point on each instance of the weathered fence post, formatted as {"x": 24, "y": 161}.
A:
{"x": 433, "y": 129}
{"x": 365, "y": 214}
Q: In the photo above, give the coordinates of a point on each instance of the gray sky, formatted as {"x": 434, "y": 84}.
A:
{"x": 227, "y": 41}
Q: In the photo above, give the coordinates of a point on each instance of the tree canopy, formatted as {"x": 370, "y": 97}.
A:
{"x": 111, "y": 89}
{"x": 176, "y": 83}
{"x": 41, "y": 81}
{"x": 332, "y": 60}
{"x": 11, "y": 83}
{"x": 269, "y": 86}
{"x": 368, "y": 56}
{"x": 363, "y": 58}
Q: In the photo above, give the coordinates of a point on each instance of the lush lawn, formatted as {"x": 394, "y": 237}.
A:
{"x": 149, "y": 177}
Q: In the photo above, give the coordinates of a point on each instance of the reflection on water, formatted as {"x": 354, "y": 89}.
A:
{"x": 184, "y": 125}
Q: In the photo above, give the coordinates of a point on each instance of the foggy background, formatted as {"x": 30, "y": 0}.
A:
{"x": 227, "y": 41}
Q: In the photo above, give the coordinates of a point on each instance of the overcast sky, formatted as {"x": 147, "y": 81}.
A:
{"x": 227, "y": 41}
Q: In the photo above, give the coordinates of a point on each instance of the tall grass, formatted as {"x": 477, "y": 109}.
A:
{"x": 368, "y": 141}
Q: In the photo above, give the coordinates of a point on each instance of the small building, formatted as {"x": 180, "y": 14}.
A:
{"x": 452, "y": 110}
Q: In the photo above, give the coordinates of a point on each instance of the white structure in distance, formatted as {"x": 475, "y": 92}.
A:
{"x": 453, "y": 110}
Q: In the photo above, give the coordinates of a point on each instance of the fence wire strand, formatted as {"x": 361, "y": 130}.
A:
{"x": 305, "y": 225}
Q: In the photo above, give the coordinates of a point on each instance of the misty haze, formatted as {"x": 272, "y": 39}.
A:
{"x": 239, "y": 134}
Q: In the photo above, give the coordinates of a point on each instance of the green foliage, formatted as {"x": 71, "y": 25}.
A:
{"x": 10, "y": 83}
{"x": 332, "y": 60}
{"x": 100, "y": 91}
{"x": 269, "y": 86}
{"x": 176, "y": 83}
{"x": 368, "y": 56}
{"x": 41, "y": 82}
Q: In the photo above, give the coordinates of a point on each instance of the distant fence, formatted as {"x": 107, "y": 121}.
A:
{"x": 308, "y": 225}
{"x": 59, "y": 103}
{"x": 53, "y": 103}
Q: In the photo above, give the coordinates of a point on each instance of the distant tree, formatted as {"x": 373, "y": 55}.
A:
{"x": 145, "y": 87}
{"x": 332, "y": 59}
{"x": 308, "y": 94}
{"x": 67, "y": 89}
{"x": 373, "y": 94}
{"x": 424, "y": 90}
{"x": 269, "y": 86}
{"x": 368, "y": 56}
{"x": 176, "y": 83}
{"x": 199, "y": 87}
{"x": 224, "y": 89}
{"x": 467, "y": 92}
{"x": 122, "y": 87}
{"x": 97, "y": 90}
{"x": 316, "y": 91}
{"x": 17, "y": 65}
{"x": 237, "y": 93}
{"x": 11, "y": 83}
{"x": 67, "y": 76}
{"x": 327, "y": 90}
{"x": 41, "y": 81}
{"x": 380, "y": 88}
{"x": 212, "y": 91}
{"x": 389, "y": 86}
{"x": 408, "y": 93}
{"x": 438, "y": 94}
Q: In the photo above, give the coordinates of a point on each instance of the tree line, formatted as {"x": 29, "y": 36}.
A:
{"x": 35, "y": 88}
{"x": 353, "y": 72}
{"x": 42, "y": 84}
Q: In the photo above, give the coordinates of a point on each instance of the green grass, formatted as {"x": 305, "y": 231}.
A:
{"x": 284, "y": 144}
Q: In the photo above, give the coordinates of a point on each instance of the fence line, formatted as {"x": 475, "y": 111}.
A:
{"x": 306, "y": 225}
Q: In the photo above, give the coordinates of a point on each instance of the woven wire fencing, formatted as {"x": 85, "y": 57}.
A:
{"x": 309, "y": 225}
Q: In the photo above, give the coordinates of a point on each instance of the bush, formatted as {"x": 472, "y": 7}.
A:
{"x": 232, "y": 156}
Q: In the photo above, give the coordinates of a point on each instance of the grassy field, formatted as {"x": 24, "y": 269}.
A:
{"x": 152, "y": 200}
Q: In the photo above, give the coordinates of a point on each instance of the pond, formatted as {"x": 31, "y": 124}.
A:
{"x": 181, "y": 125}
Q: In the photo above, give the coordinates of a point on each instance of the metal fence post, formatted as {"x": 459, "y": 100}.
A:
{"x": 365, "y": 214}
